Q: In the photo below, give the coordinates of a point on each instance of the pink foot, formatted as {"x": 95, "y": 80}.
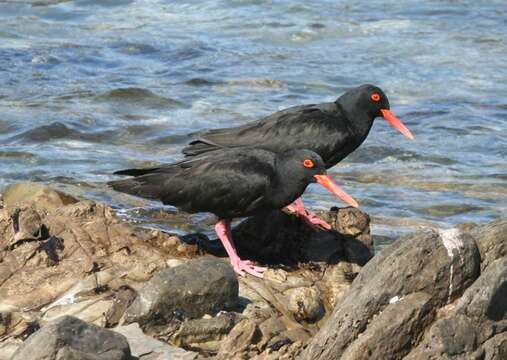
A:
{"x": 223, "y": 230}
{"x": 298, "y": 207}
{"x": 242, "y": 266}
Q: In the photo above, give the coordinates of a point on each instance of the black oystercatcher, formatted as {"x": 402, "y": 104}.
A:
{"x": 232, "y": 183}
{"x": 333, "y": 130}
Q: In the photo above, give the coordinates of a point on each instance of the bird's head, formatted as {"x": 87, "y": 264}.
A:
{"x": 370, "y": 99}
{"x": 307, "y": 167}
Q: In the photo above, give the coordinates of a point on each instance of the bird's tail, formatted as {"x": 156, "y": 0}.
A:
{"x": 146, "y": 186}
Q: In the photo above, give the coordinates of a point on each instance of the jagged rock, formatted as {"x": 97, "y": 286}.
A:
{"x": 144, "y": 347}
{"x": 242, "y": 337}
{"x": 70, "y": 338}
{"x": 442, "y": 264}
{"x": 391, "y": 333}
{"x": 78, "y": 241}
{"x": 198, "y": 287}
{"x": 491, "y": 240}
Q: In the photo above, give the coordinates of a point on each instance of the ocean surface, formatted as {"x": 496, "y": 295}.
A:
{"x": 89, "y": 87}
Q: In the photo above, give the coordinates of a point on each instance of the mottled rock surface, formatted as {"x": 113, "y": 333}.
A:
{"x": 198, "y": 287}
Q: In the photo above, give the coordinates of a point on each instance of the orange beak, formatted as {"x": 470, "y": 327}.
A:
{"x": 328, "y": 183}
{"x": 396, "y": 123}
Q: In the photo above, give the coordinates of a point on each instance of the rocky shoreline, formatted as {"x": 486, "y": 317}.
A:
{"x": 76, "y": 282}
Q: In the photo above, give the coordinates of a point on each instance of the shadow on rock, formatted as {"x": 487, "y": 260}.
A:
{"x": 277, "y": 238}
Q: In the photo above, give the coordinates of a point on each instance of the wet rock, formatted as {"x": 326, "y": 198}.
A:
{"x": 305, "y": 304}
{"x": 40, "y": 195}
{"x": 449, "y": 338}
{"x": 205, "y": 333}
{"x": 391, "y": 333}
{"x": 198, "y": 287}
{"x": 442, "y": 264}
{"x": 71, "y": 338}
{"x": 144, "y": 347}
{"x": 243, "y": 336}
{"x": 491, "y": 240}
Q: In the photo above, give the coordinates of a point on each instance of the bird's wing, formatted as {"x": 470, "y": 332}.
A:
{"x": 228, "y": 184}
{"x": 315, "y": 127}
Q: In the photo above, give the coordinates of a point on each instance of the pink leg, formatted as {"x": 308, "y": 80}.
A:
{"x": 223, "y": 230}
{"x": 298, "y": 207}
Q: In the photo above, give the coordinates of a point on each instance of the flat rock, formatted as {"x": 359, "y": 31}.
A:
{"x": 198, "y": 287}
{"x": 144, "y": 347}
{"x": 442, "y": 264}
{"x": 70, "y": 338}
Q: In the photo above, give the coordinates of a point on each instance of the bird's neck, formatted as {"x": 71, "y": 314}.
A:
{"x": 285, "y": 189}
{"x": 359, "y": 122}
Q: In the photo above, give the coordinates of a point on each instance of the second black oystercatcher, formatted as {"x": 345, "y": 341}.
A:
{"x": 232, "y": 183}
{"x": 333, "y": 130}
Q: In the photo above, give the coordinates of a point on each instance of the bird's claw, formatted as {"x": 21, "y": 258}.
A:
{"x": 246, "y": 266}
{"x": 314, "y": 221}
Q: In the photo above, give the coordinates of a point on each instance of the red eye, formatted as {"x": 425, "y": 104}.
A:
{"x": 375, "y": 97}
{"x": 308, "y": 163}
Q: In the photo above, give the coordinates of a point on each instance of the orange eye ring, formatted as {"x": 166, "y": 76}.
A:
{"x": 308, "y": 163}
{"x": 375, "y": 97}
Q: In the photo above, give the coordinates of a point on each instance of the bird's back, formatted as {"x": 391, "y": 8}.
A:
{"x": 229, "y": 182}
{"x": 322, "y": 128}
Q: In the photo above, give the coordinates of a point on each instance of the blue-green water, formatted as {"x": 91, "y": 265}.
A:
{"x": 89, "y": 87}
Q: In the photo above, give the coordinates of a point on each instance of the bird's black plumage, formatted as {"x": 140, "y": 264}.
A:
{"x": 229, "y": 182}
{"x": 333, "y": 130}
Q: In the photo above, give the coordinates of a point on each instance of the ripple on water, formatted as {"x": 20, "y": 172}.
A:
{"x": 140, "y": 97}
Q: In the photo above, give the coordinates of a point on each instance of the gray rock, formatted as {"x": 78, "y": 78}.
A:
{"x": 450, "y": 338}
{"x": 491, "y": 240}
{"x": 144, "y": 347}
{"x": 486, "y": 300}
{"x": 394, "y": 331}
{"x": 441, "y": 264}
{"x": 69, "y": 338}
{"x": 198, "y": 287}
